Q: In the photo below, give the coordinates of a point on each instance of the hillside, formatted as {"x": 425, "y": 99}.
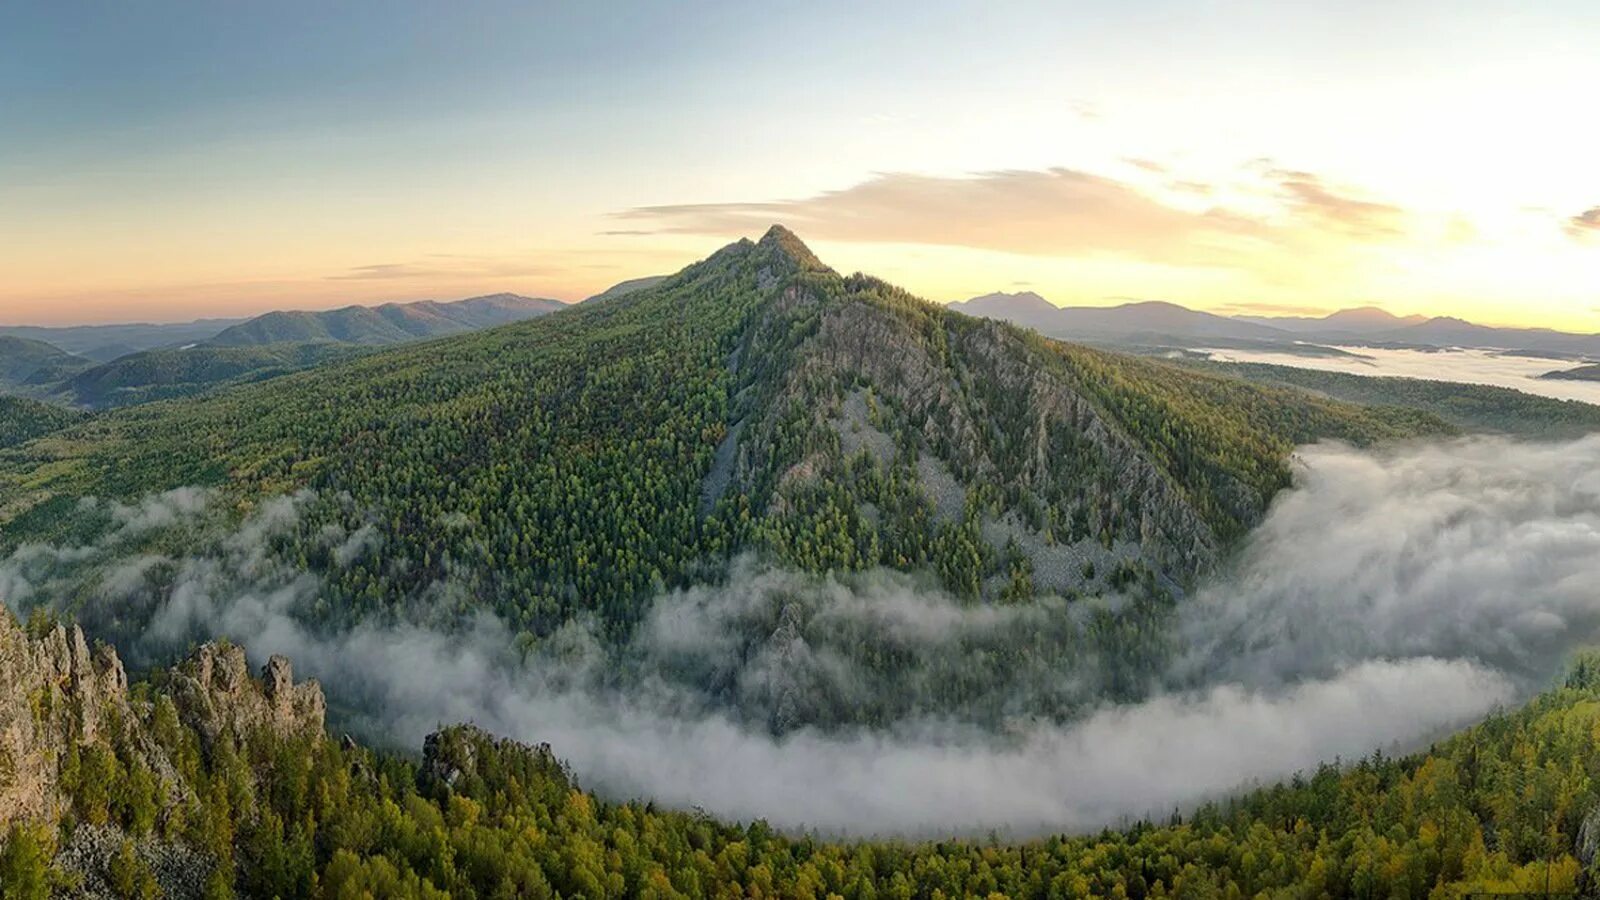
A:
{"x": 209, "y": 782}
{"x": 1581, "y": 373}
{"x": 23, "y": 420}
{"x": 24, "y": 361}
{"x": 391, "y": 323}
{"x": 1470, "y": 407}
{"x": 167, "y": 374}
{"x": 755, "y": 401}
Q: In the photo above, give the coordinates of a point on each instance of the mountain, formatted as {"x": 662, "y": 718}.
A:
{"x": 1024, "y": 308}
{"x": 627, "y": 287}
{"x": 1361, "y": 320}
{"x": 24, "y": 361}
{"x": 754, "y": 402}
{"x": 210, "y": 781}
{"x": 103, "y": 343}
{"x": 391, "y": 323}
{"x": 166, "y": 374}
{"x": 1372, "y": 326}
{"x": 1141, "y": 322}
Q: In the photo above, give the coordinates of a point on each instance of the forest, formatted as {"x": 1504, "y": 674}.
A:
{"x": 1506, "y": 806}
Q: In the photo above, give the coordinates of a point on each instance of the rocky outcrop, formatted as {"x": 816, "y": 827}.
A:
{"x": 451, "y": 758}
{"x": 53, "y": 692}
{"x": 216, "y": 691}
{"x": 57, "y": 693}
{"x": 984, "y": 407}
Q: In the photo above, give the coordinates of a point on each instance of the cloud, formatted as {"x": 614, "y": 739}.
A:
{"x": 1278, "y": 221}
{"x": 1051, "y": 212}
{"x": 1241, "y": 307}
{"x": 1309, "y": 196}
{"x": 456, "y": 266}
{"x": 1585, "y": 224}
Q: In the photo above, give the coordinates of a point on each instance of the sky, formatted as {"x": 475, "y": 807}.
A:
{"x": 173, "y": 159}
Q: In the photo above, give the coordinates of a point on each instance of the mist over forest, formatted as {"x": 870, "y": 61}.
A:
{"x": 1386, "y": 598}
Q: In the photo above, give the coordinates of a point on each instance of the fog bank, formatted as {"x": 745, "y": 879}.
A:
{"x": 1385, "y": 598}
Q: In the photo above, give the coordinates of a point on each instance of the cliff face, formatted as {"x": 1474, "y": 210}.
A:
{"x": 56, "y": 693}
{"x": 974, "y": 413}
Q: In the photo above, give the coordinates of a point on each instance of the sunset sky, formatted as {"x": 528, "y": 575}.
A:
{"x": 167, "y": 160}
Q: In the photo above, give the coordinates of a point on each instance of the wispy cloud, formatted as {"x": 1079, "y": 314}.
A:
{"x": 1053, "y": 212}
{"x": 441, "y": 265}
{"x": 1270, "y": 309}
{"x": 1310, "y": 196}
{"x": 1585, "y": 224}
{"x": 1280, "y": 214}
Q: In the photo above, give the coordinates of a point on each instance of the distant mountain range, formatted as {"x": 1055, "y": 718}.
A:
{"x": 1150, "y": 319}
{"x": 103, "y": 343}
{"x": 623, "y": 288}
{"x": 121, "y": 365}
{"x": 1153, "y": 323}
{"x": 391, "y": 323}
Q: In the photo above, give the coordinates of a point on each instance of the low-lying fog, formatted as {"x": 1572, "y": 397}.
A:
{"x": 1386, "y": 598}
{"x": 1467, "y": 366}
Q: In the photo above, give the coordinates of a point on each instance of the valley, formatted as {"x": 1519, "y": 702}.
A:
{"x": 804, "y": 551}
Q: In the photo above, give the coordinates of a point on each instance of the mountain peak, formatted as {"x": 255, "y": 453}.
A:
{"x": 789, "y": 244}
{"x": 1003, "y": 305}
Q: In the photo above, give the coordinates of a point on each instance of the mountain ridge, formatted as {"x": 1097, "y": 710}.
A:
{"x": 388, "y": 323}
{"x": 1153, "y": 323}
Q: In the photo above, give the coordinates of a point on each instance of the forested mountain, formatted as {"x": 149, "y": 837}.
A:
{"x": 25, "y": 362}
{"x": 208, "y": 782}
{"x": 755, "y": 401}
{"x": 391, "y": 323}
{"x": 167, "y": 374}
{"x": 22, "y": 420}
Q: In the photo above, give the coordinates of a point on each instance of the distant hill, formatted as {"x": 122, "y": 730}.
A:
{"x": 391, "y": 323}
{"x": 1142, "y": 322}
{"x": 23, "y": 420}
{"x": 103, "y": 343}
{"x": 1369, "y": 325}
{"x": 166, "y": 374}
{"x": 1361, "y": 320}
{"x": 24, "y": 360}
{"x": 623, "y": 288}
{"x": 1470, "y": 407}
{"x": 1581, "y": 373}
{"x": 1160, "y": 324}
